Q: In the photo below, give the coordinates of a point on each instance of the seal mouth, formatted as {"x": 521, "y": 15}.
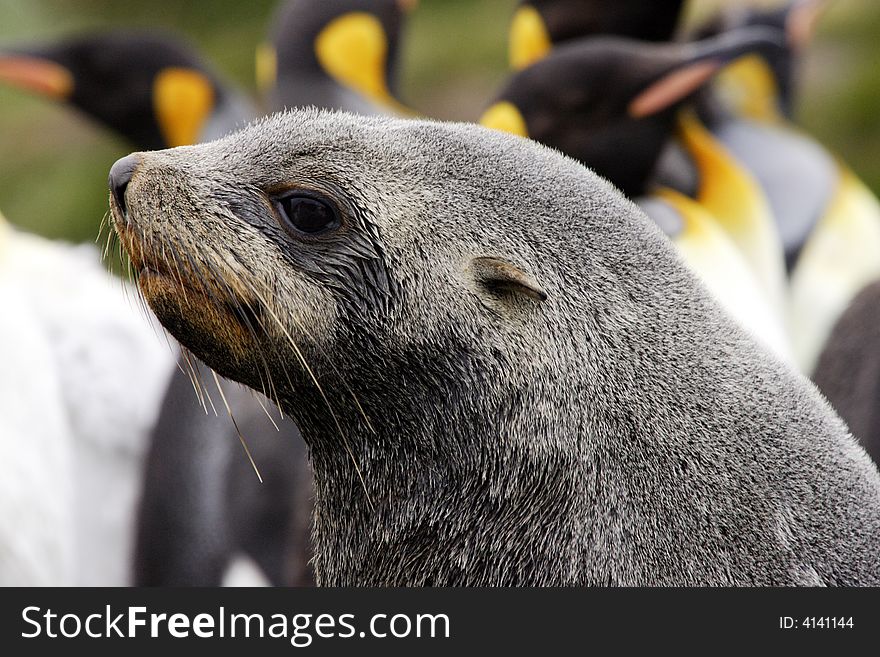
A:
{"x": 161, "y": 273}
{"x": 247, "y": 315}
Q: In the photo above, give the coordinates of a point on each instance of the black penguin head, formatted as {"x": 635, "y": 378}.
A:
{"x": 352, "y": 42}
{"x": 764, "y": 84}
{"x": 148, "y": 87}
{"x": 539, "y": 24}
{"x": 611, "y": 102}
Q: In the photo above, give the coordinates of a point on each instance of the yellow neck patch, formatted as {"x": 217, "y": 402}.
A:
{"x": 697, "y": 221}
{"x": 706, "y": 248}
{"x": 183, "y": 99}
{"x": 841, "y": 256}
{"x": 267, "y": 67}
{"x": 748, "y": 87}
{"x": 353, "y": 50}
{"x": 726, "y": 189}
{"x": 506, "y": 117}
{"x": 529, "y": 40}
{"x": 732, "y": 195}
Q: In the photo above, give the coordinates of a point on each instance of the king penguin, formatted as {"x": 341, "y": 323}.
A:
{"x": 80, "y": 389}
{"x": 539, "y": 24}
{"x": 694, "y": 163}
{"x": 37, "y": 541}
{"x": 619, "y": 109}
{"x": 334, "y": 54}
{"x": 828, "y": 220}
{"x": 149, "y": 87}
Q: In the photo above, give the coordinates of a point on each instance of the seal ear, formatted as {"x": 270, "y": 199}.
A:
{"x": 497, "y": 275}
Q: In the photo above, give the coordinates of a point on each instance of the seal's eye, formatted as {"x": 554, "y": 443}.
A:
{"x": 302, "y": 213}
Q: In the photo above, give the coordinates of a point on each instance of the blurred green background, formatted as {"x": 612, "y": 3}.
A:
{"x": 54, "y": 162}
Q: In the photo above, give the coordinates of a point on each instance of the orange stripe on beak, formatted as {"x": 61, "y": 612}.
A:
{"x": 38, "y": 75}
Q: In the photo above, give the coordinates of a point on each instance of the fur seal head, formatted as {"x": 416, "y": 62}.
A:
{"x": 502, "y": 370}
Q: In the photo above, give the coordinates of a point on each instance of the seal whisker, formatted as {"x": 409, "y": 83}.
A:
{"x": 194, "y": 379}
{"x": 302, "y": 360}
{"x": 245, "y": 319}
{"x": 189, "y": 372}
{"x": 265, "y": 410}
{"x": 105, "y": 226}
{"x": 177, "y": 273}
{"x": 101, "y": 227}
{"x": 198, "y": 384}
{"x": 108, "y": 244}
{"x": 251, "y": 286}
{"x": 247, "y": 316}
{"x": 235, "y": 424}
{"x": 135, "y": 277}
{"x": 264, "y": 328}
{"x": 265, "y": 306}
{"x": 343, "y": 381}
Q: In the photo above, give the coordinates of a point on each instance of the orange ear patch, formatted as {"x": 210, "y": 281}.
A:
{"x": 528, "y": 40}
{"x": 183, "y": 99}
{"x": 504, "y": 116}
{"x": 267, "y": 67}
{"x": 671, "y": 88}
{"x": 352, "y": 49}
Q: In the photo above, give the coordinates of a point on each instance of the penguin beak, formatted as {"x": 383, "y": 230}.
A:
{"x": 672, "y": 88}
{"x": 699, "y": 62}
{"x": 801, "y": 21}
{"x": 36, "y": 74}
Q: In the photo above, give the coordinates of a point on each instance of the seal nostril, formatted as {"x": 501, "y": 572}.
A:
{"x": 120, "y": 175}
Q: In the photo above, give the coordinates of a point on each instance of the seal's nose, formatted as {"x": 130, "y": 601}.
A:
{"x": 120, "y": 175}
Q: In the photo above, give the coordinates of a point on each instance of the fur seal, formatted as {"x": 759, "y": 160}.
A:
{"x": 503, "y": 371}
